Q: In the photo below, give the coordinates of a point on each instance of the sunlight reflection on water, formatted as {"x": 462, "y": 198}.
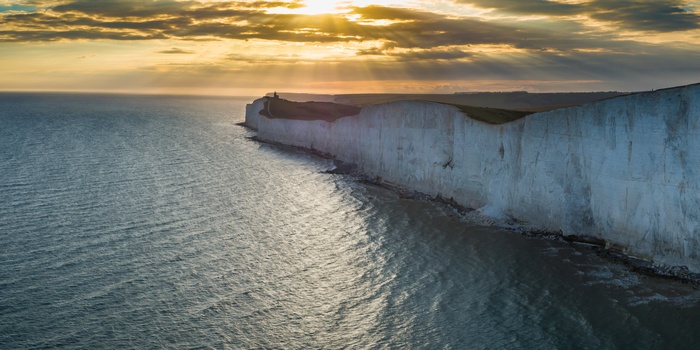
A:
{"x": 153, "y": 222}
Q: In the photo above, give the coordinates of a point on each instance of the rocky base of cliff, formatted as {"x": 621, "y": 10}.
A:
{"x": 487, "y": 217}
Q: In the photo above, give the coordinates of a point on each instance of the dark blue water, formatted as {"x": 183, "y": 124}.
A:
{"x": 152, "y": 222}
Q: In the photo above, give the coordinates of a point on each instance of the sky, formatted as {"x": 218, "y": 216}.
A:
{"x": 220, "y": 47}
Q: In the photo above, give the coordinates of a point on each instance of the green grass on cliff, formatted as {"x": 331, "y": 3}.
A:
{"x": 329, "y": 111}
{"x": 491, "y": 115}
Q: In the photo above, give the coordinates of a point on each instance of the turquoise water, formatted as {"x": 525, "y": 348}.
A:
{"x": 153, "y": 222}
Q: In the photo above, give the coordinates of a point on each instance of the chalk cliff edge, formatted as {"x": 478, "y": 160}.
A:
{"x": 625, "y": 170}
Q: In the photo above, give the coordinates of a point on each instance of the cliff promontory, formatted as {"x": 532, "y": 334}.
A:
{"x": 625, "y": 170}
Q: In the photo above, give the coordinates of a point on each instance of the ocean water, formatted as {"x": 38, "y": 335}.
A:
{"x": 137, "y": 222}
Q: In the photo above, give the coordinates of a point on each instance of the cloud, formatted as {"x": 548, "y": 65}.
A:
{"x": 429, "y": 55}
{"x": 122, "y": 8}
{"x": 650, "y": 68}
{"x": 146, "y": 8}
{"x": 189, "y": 20}
{"x": 187, "y": 8}
{"x": 430, "y": 30}
{"x": 557, "y": 37}
{"x": 390, "y": 13}
{"x": 407, "y": 29}
{"x": 176, "y": 50}
{"x": 48, "y": 35}
{"x": 638, "y": 15}
{"x": 654, "y": 16}
{"x": 528, "y": 7}
{"x": 419, "y": 55}
{"x": 259, "y": 59}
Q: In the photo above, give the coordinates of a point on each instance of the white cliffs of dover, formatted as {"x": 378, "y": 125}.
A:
{"x": 625, "y": 170}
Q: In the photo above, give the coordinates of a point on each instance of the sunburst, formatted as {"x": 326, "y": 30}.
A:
{"x": 315, "y": 7}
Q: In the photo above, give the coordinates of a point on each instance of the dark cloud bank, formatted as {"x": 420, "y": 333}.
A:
{"x": 143, "y": 20}
{"x": 558, "y": 41}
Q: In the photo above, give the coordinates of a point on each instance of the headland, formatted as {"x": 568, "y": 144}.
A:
{"x": 619, "y": 169}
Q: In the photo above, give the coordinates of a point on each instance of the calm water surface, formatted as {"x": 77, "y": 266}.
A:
{"x": 152, "y": 222}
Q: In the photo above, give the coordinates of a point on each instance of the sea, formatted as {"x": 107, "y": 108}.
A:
{"x": 155, "y": 222}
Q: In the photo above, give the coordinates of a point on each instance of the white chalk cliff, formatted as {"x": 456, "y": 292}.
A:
{"x": 625, "y": 170}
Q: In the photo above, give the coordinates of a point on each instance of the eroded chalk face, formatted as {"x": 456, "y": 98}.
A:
{"x": 620, "y": 170}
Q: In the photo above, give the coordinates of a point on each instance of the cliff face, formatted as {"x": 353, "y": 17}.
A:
{"x": 626, "y": 170}
{"x": 252, "y": 111}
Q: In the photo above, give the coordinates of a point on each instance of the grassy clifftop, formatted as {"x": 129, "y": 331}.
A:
{"x": 491, "y": 115}
{"x": 329, "y": 111}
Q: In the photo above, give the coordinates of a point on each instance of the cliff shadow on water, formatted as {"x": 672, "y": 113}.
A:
{"x": 619, "y": 172}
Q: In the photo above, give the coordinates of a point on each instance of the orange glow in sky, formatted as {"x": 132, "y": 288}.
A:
{"x": 251, "y": 47}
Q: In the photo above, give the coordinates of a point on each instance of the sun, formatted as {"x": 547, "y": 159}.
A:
{"x": 315, "y": 7}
